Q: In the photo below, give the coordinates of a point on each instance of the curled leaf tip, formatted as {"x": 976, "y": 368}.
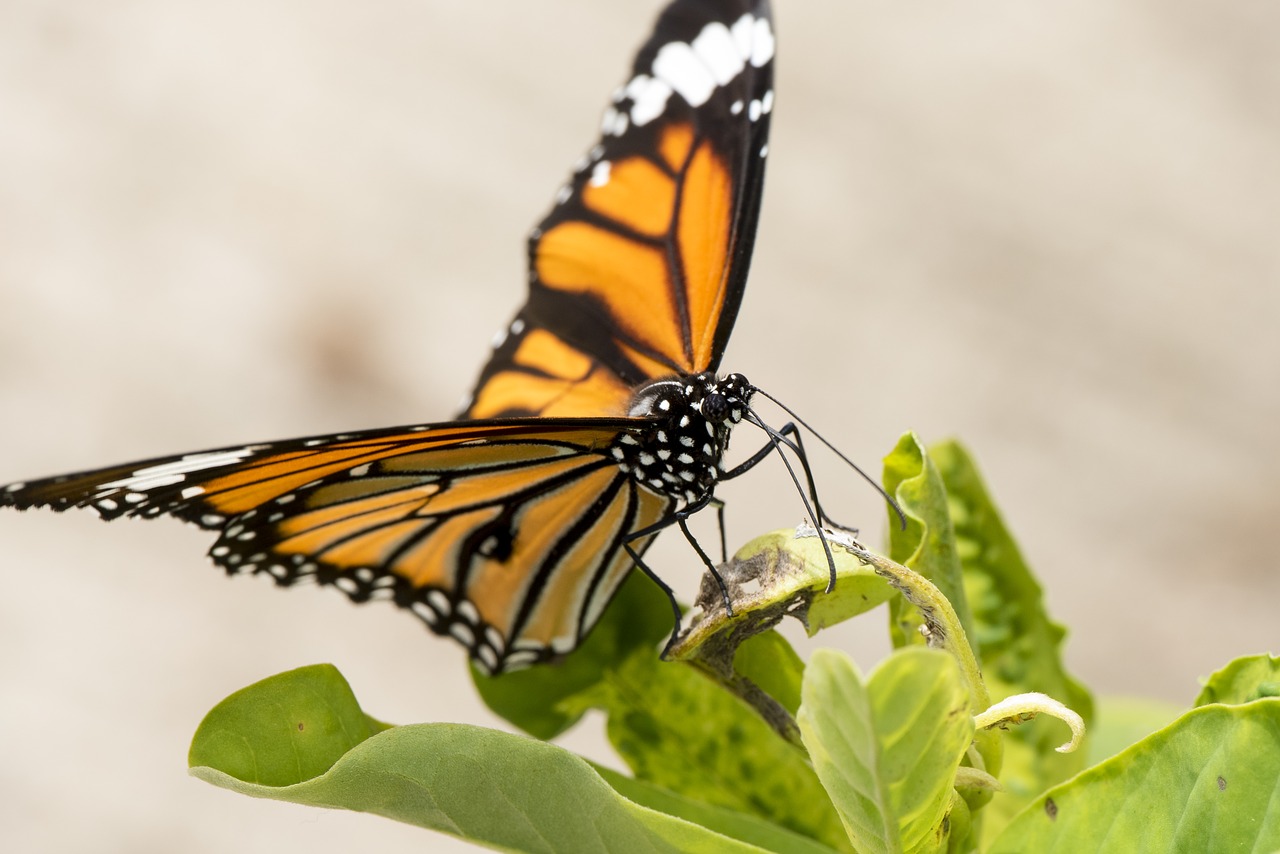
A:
{"x": 1021, "y": 708}
{"x": 841, "y": 538}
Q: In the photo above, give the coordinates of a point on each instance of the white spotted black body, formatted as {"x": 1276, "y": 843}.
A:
{"x": 682, "y": 456}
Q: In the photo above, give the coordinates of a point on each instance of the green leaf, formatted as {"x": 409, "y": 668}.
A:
{"x": 887, "y": 750}
{"x": 928, "y": 544}
{"x": 504, "y": 791}
{"x": 746, "y": 828}
{"x": 284, "y": 729}
{"x": 779, "y": 574}
{"x": 1017, "y": 642}
{"x": 1248, "y": 678}
{"x": 771, "y": 662}
{"x": 1210, "y": 781}
{"x": 678, "y": 729}
{"x": 545, "y": 701}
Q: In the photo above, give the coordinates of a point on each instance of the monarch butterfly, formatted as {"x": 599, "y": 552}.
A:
{"x": 598, "y": 420}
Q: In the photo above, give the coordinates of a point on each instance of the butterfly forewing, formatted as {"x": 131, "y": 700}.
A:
{"x": 638, "y": 270}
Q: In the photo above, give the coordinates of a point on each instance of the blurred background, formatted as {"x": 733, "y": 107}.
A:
{"x": 1048, "y": 230}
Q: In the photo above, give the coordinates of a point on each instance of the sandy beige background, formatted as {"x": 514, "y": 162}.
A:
{"x": 1050, "y": 230}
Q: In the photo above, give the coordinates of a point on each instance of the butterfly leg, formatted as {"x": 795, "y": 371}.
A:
{"x": 724, "y": 548}
{"x": 665, "y": 588}
{"x": 706, "y": 560}
{"x": 680, "y": 517}
{"x": 790, "y": 429}
{"x": 789, "y": 435}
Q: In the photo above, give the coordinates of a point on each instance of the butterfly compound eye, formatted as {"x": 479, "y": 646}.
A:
{"x": 715, "y": 408}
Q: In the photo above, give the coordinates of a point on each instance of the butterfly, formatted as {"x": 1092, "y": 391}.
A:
{"x": 598, "y": 420}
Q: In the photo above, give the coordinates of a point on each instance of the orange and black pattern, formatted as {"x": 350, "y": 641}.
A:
{"x": 598, "y": 416}
{"x": 447, "y": 520}
{"x": 638, "y": 270}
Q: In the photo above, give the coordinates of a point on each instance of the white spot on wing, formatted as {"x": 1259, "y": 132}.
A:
{"x": 607, "y": 121}
{"x": 648, "y": 97}
{"x": 463, "y": 634}
{"x": 761, "y": 42}
{"x": 440, "y": 601}
{"x": 424, "y": 611}
{"x": 521, "y": 658}
{"x": 166, "y": 474}
{"x": 741, "y": 32}
{"x": 715, "y": 47}
{"x": 488, "y": 658}
{"x": 468, "y": 612}
{"x": 600, "y": 174}
{"x": 677, "y": 65}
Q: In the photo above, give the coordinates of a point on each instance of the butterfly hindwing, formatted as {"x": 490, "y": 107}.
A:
{"x": 638, "y": 270}
{"x": 507, "y": 536}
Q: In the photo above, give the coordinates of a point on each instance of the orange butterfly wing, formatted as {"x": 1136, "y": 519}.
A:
{"x": 638, "y": 271}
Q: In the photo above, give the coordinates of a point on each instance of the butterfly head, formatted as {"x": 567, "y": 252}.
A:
{"x": 722, "y": 400}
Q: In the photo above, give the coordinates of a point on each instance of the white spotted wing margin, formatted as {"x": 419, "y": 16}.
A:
{"x": 504, "y": 535}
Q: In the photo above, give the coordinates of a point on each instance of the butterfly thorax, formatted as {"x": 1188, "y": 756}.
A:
{"x": 681, "y": 452}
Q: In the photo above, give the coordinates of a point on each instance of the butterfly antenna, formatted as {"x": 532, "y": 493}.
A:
{"x": 777, "y": 440}
{"x": 902, "y": 517}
